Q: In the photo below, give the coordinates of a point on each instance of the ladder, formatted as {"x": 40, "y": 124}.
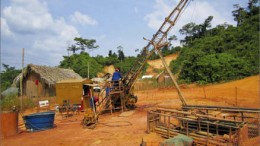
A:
{"x": 156, "y": 43}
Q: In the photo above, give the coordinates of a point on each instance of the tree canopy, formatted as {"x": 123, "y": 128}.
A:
{"x": 82, "y": 64}
{"x": 83, "y": 45}
{"x": 7, "y": 76}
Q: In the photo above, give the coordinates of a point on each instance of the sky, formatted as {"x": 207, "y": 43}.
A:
{"x": 45, "y": 28}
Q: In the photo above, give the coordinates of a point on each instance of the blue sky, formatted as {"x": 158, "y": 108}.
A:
{"x": 45, "y": 28}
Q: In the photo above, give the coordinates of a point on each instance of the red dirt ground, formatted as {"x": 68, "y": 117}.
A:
{"x": 129, "y": 128}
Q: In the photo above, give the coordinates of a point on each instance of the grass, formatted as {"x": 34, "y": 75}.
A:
{"x": 147, "y": 84}
{"x": 9, "y": 102}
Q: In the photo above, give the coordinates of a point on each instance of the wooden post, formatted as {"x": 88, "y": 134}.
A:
{"x": 148, "y": 122}
{"x": 164, "y": 118}
{"x": 36, "y": 82}
{"x": 122, "y": 102}
{"x": 199, "y": 127}
{"x": 111, "y": 106}
{"x": 168, "y": 134}
{"x": 207, "y": 133}
{"x": 154, "y": 121}
{"x": 204, "y": 92}
{"x": 88, "y": 70}
{"x": 187, "y": 128}
{"x": 217, "y": 129}
{"x": 236, "y": 95}
{"x": 21, "y": 81}
{"x": 229, "y": 135}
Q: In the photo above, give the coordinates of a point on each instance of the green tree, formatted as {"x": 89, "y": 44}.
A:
{"x": 126, "y": 64}
{"x": 222, "y": 53}
{"x": 121, "y": 55}
{"x": 110, "y": 53}
{"x": 188, "y": 30}
{"x": 215, "y": 68}
{"x": 80, "y": 64}
{"x": 110, "y": 60}
{"x": 7, "y": 76}
{"x": 84, "y": 44}
{"x": 73, "y": 48}
{"x": 172, "y": 38}
{"x": 239, "y": 14}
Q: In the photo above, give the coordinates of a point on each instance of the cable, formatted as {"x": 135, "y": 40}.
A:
{"x": 183, "y": 11}
{"x": 111, "y": 124}
{"x": 193, "y": 11}
{"x": 27, "y": 58}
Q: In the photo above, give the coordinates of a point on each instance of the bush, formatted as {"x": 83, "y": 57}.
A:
{"x": 11, "y": 101}
{"x": 215, "y": 68}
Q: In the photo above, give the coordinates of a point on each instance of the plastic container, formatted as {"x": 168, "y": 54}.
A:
{"x": 39, "y": 121}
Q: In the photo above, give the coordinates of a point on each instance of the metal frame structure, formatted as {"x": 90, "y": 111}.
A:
{"x": 205, "y": 128}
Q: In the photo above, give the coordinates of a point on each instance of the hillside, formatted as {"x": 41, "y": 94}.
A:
{"x": 242, "y": 93}
{"x": 158, "y": 62}
{"x": 249, "y": 83}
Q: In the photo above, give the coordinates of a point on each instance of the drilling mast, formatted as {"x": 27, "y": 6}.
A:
{"x": 158, "y": 41}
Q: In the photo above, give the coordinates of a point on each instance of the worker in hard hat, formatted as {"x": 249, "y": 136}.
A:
{"x": 116, "y": 77}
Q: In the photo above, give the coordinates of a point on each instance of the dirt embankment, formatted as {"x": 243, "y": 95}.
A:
{"x": 242, "y": 93}
{"x": 158, "y": 62}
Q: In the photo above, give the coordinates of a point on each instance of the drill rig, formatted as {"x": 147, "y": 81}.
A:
{"x": 158, "y": 41}
{"x": 121, "y": 96}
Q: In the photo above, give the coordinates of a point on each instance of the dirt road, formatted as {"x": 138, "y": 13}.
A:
{"x": 125, "y": 128}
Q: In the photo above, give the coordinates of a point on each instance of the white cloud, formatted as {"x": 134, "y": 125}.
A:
{"x": 197, "y": 11}
{"x": 65, "y": 34}
{"x": 5, "y": 30}
{"x": 83, "y": 19}
{"x": 156, "y": 17}
{"x": 24, "y": 17}
{"x": 32, "y": 26}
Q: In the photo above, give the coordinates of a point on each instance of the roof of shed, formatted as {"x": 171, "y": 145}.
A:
{"x": 49, "y": 75}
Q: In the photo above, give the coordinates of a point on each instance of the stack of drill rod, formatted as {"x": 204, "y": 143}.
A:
{"x": 204, "y": 129}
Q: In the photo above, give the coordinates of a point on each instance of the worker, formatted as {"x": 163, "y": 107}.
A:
{"x": 116, "y": 77}
{"x": 108, "y": 89}
{"x": 93, "y": 102}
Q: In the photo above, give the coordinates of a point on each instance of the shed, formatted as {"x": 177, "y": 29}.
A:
{"x": 40, "y": 80}
{"x": 163, "y": 78}
{"x": 73, "y": 91}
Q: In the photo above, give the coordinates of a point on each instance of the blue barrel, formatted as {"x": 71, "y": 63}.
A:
{"x": 39, "y": 121}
